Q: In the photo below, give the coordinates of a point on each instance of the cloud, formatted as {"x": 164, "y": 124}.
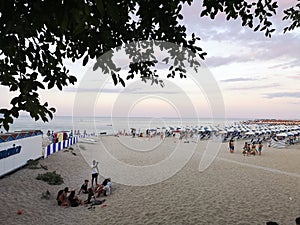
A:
{"x": 104, "y": 90}
{"x": 239, "y": 79}
{"x": 245, "y": 88}
{"x": 258, "y": 47}
{"x": 282, "y": 95}
{"x": 296, "y": 77}
{"x": 220, "y": 60}
{"x": 152, "y": 90}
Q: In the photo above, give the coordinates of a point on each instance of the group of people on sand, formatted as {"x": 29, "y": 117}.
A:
{"x": 297, "y": 221}
{"x": 68, "y": 198}
{"x": 249, "y": 148}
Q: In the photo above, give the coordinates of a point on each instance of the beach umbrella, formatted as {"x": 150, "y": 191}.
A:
{"x": 230, "y": 130}
{"x": 207, "y": 129}
{"x": 214, "y": 129}
{"x": 281, "y": 135}
{"x": 250, "y": 133}
{"x": 222, "y": 132}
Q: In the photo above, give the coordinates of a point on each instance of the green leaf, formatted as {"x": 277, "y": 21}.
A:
{"x": 114, "y": 77}
{"x": 257, "y": 27}
{"x": 100, "y": 6}
{"x": 85, "y": 60}
{"x": 121, "y": 81}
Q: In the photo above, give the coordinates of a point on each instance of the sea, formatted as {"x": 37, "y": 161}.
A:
{"x": 112, "y": 125}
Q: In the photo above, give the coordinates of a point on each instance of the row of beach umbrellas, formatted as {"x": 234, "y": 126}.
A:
{"x": 253, "y": 129}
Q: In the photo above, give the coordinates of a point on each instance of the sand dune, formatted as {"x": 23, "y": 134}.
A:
{"x": 235, "y": 189}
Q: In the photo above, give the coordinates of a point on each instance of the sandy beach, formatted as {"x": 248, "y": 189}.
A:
{"x": 234, "y": 189}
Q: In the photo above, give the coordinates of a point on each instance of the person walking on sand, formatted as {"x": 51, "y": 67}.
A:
{"x": 231, "y": 146}
{"x": 260, "y": 145}
{"x": 245, "y": 151}
{"x": 95, "y": 172}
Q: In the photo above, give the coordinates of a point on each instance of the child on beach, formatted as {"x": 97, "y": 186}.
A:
{"x": 248, "y": 149}
{"x": 95, "y": 172}
{"x": 245, "y": 152}
{"x": 231, "y": 146}
{"x": 253, "y": 149}
{"x": 260, "y": 145}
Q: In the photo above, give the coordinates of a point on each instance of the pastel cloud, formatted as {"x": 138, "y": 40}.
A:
{"x": 296, "y": 77}
{"x": 239, "y": 79}
{"x": 283, "y": 95}
{"x": 254, "y": 87}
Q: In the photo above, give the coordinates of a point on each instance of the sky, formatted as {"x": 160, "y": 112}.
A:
{"x": 257, "y": 77}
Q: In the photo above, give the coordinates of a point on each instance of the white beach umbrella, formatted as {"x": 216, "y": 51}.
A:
{"x": 281, "y": 135}
{"x": 222, "y": 132}
{"x": 230, "y": 130}
{"x": 250, "y": 133}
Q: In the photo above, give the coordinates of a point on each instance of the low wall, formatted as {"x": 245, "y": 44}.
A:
{"x": 14, "y": 153}
{"x": 55, "y": 147}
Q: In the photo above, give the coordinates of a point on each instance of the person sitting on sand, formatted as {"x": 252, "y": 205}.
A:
{"x": 73, "y": 200}
{"x": 104, "y": 188}
{"x": 107, "y": 187}
{"x": 84, "y": 187}
{"x": 90, "y": 196}
{"x": 62, "y": 198}
{"x": 271, "y": 223}
{"x": 91, "y": 199}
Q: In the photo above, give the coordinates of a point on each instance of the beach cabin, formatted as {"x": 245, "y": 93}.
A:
{"x": 17, "y": 148}
{"x": 60, "y": 136}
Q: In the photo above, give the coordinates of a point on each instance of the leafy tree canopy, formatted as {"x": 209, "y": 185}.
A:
{"x": 36, "y": 36}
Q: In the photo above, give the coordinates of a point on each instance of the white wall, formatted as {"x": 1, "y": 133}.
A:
{"x": 31, "y": 148}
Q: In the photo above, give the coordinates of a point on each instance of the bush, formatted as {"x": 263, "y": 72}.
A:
{"x": 51, "y": 178}
{"x": 32, "y": 164}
